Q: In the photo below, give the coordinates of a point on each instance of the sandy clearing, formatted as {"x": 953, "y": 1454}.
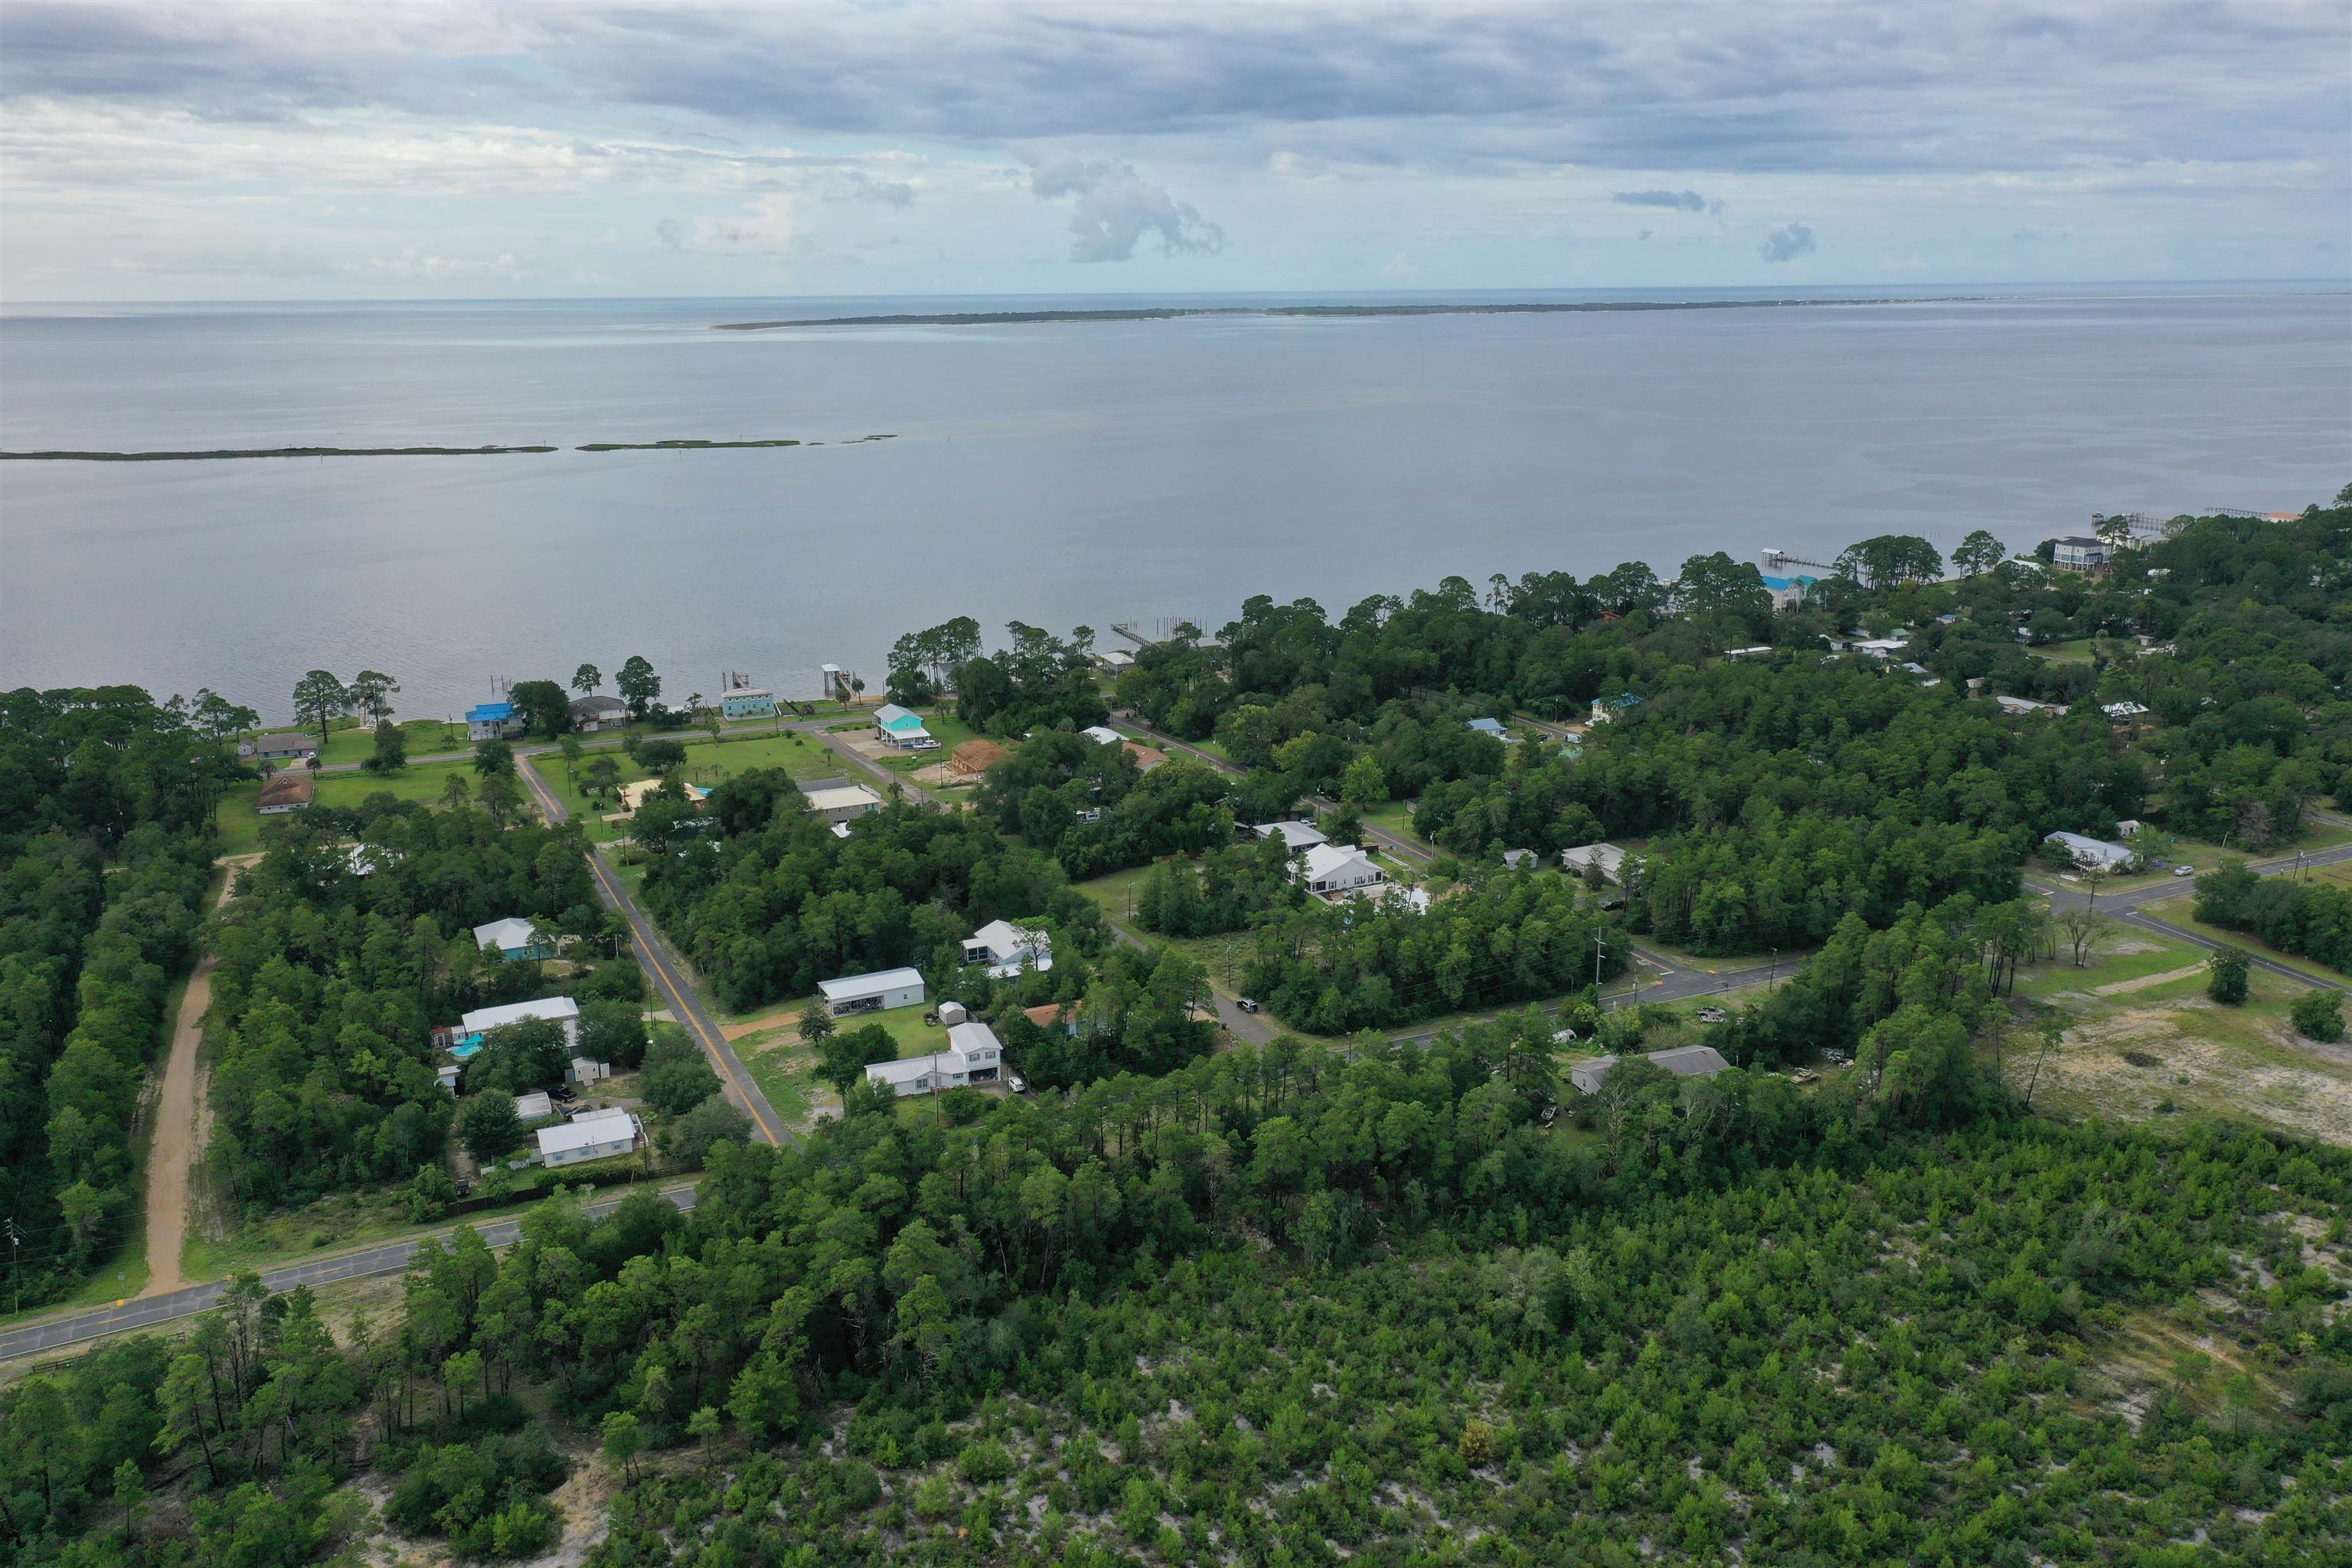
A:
{"x": 761, "y": 1023}
{"x": 182, "y": 1119}
{"x": 2314, "y": 1101}
{"x": 2117, "y": 987}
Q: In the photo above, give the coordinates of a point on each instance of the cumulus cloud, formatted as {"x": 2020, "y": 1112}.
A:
{"x": 1680, "y": 201}
{"x": 766, "y": 230}
{"x": 1787, "y": 243}
{"x": 1116, "y": 208}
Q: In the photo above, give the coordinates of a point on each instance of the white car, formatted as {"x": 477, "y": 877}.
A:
{"x": 1016, "y": 1083}
{"x": 2184, "y": 870}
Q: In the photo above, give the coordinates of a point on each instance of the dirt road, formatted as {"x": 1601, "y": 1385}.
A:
{"x": 179, "y": 1121}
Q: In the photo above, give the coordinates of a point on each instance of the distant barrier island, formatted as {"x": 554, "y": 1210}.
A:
{"x": 1184, "y": 312}
{"x": 218, "y": 453}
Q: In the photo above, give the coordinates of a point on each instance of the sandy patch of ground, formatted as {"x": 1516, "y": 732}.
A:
{"x": 2117, "y": 987}
{"x": 2184, "y": 1054}
{"x": 761, "y": 1023}
{"x": 182, "y": 1119}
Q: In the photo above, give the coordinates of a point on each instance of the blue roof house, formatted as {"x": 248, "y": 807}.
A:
{"x": 492, "y": 721}
{"x": 1788, "y": 591}
{"x": 1487, "y": 727}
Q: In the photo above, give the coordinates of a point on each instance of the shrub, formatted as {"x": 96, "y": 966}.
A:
{"x": 2319, "y": 1015}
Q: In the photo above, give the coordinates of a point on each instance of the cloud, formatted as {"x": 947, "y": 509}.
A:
{"x": 767, "y": 230}
{"x": 1116, "y": 208}
{"x": 859, "y": 187}
{"x": 1787, "y": 243}
{"x": 1680, "y": 201}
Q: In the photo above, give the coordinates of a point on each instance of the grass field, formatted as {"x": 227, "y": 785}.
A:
{"x": 780, "y": 1065}
{"x": 708, "y": 763}
{"x": 2180, "y": 911}
{"x": 241, "y": 829}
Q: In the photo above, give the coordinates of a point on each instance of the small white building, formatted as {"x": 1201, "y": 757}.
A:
{"x": 1008, "y": 950}
{"x": 1296, "y": 837}
{"x": 842, "y": 803}
{"x": 587, "y": 1070}
{"x": 1608, "y": 857}
{"x": 876, "y": 993}
{"x": 563, "y": 1010}
{"x": 2124, "y": 712}
{"x": 1336, "y": 868}
{"x": 2093, "y": 854}
{"x": 2024, "y": 705}
{"x": 591, "y": 1135}
{"x": 1683, "y": 1061}
{"x": 534, "y": 1107}
{"x": 1103, "y": 735}
{"x": 974, "y": 1055}
{"x": 1518, "y": 859}
{"x": 1758, "y": 651}
{"x": 515, "y": 938}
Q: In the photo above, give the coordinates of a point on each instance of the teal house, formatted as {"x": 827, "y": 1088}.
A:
{"x": 749, "y": 702}
{"x": 902, "y": 728}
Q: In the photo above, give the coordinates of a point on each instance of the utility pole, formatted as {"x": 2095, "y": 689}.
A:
{"x": 16, "y": 1269}
{"x": 1597, "y": 941}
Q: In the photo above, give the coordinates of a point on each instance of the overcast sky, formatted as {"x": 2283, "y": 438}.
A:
{"x": 392, "y": 150}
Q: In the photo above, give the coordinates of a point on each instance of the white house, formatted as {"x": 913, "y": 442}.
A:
{"x": 534, "y": 1106}
{"x": 974, "y": 1055}
{"x": 1103, "y": 735}
{"x": 1758, "y": 651}
{"x": 2122, "y": 712}
{"x": 1608, "y": 857}
{"x": 1336, "y": 868}
{"x": 2093, "y": 854}
{"x": 1008, "y": 948}
{"x": 2079, "y": 555}
{"x": 1296, "y": 837}
{"x": 563, "y": 1010}
{"x": 590, "y": 1135}
{"x": 843, "y": 802}
{"x": 1683, "y": 1061}
{"x": 515, "y": 938}
{"x": 2021, "y": 705}
{"x": 875, "y": 993}
{"x": 587, "y": 1070}
{"x": 1518, "y": 859}
{"x": 492, "y": 721}
{"x": 447, "y": 1074}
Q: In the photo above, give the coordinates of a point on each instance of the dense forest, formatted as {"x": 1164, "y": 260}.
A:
{"x": 1209, "y": 1301}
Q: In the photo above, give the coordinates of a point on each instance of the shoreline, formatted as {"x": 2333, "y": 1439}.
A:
{"x": 1186, "y": 312}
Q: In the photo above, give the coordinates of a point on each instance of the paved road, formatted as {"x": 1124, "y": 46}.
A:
{"x": 671, "y": 981}
{"x": 147, "y": 1311}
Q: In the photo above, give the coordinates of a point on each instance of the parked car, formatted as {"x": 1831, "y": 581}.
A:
{"x": 1016, "y": 1083}
{"x": 1245, "y": 1004}
{"x": 562, "y": 1093}
{"x": 1712, "y": 1014}
{"x": 2184, "y": 870}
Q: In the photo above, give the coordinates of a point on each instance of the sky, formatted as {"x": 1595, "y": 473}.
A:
{"x": 389, "y": 150}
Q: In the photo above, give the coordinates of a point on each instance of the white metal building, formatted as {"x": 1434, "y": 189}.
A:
{"x": 1008, "y": 948}
{"x": 841, "y": 804}
{"x": 1334, "y": 868}
{"x": 562, "y": 1009}
{"x": 873, "y": 993}
{"x": 590, "y": 1135}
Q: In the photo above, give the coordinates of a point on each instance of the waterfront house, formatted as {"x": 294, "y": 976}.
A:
{"x": 492, "y": 721}
{"x": 748, "y": 702}
{"x": 1788, "y": 593}
{"x": 2080, "y": 554}
{"x": 591, "y": 1135}
{"x": 515, "y": 938}
{"x": 289, "y": 791}
{"x": 1683, "y": 1061}
{"x": 876, "y": 993}
{"x": 278, "y": 746}
{"x": 839, "y": 806}
{"x": 1008, "y": 948}
{"x": 590, "y": 714}
{"x": 902, "y": 729}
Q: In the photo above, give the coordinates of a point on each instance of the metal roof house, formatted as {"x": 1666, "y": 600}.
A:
{"x": 277, "y": 746}
{"x": 876, "y": 993}
{"x": 902, "y": 728}
{"x": 974, "y": 1055}
{"x": 492, "y": 721}
{"x": 1488, "y": 727}
{"x": 1296, "y": 837}
{"x": 562, "y": 1010}
{"x": 590, "y": 1135}
{"x": 843, "y": 802}
{"x": 1336, "y": 868}
{"x": 1102, "y": 734}
{"x": 1608, "y": 857}
{"x": 1683, "y": 1061}
{"x": 515, "y": 938}
{"x": 2093, "y": 854}
{"x": 1008, "y": 948}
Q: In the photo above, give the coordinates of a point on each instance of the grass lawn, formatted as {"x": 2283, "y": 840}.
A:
{"x": 2126, "y": 963}
{"x": 2178, "y": 911}
{"x": 241, "y": 829}
{"x": 1395, "y": 817}
{"x": 948, "y": 730}
{"x": 349, "y": 742}
{"x": 780, "y": 1064}
{"x": 708, "y": 762}
{"x": 2076, "y": 651}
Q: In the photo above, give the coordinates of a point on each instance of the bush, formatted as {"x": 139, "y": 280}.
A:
{"x": 2226, "y": 981}
{"x": 688, "y": 1139}
{"x": 2319, "y": 1016}
{"x": 984, "y": 1462}
{"x": 487, "y": 1126}
{"x": 677, "y": 1077}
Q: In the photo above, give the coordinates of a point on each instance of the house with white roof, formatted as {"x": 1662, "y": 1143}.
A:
{"x": 902, "y": 729}
{"x": 876, "y": 993}
{"x": 472, "y": 1025}
{"x": 534, "y": 1106}
{"x": 843, "y": 802}
{"x": 1334, "y": 868}
{"x": 2093, "y": 854}
{"x": 1008, "y": 950}
{"x": 974, "y": 1055}
{"x": 1296, "y": 837}
{"x": 1103, "y": 735}
{"x": 1608, "y": 857}
{"x": 515, "y": 938}
{"x": 591, "y": 1135}
{"x": 1683, "y": 1061}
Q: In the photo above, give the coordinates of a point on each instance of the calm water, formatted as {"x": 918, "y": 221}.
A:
{"x": 1057, "y": 474}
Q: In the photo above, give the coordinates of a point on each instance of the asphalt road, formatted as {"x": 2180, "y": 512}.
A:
{"x": 145, "y": 1312}
{"x": 671, "y": 983}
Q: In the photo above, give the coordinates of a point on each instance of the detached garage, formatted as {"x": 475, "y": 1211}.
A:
{"x": 876, "y": 993}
